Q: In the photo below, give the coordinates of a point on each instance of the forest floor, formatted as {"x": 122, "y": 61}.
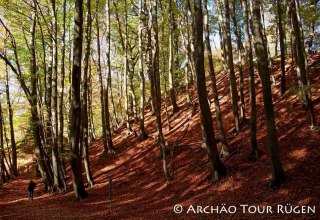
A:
{"x": 139, "y": 189}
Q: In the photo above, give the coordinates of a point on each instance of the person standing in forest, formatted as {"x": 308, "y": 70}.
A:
{"x": 31, "y": 187}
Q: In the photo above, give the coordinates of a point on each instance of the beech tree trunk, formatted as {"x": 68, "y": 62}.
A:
{"x": 156, "y": 85}
{"x": 229, "y": 55}
{"x": 61, "y": 104}
{"x": 301, "y": 62}
{"x": 85, "y": 124}
{"x": 282, "y": 49}
{"x": 108, "y": 81}
{"x": 3, "y": 178}
{"x": 126, "y": 69}
{"x": 75, "y": 121}
{"x": 240, "y": 48}
{"x": 218, "y": 170}
{"x": 102, "y": 86}
{"x": 262, "y": 56}
{"x": 222, "y": 136}
{"x": 55, "y": 153}
{"x": 14, "y": 168}
{"x": 143, "y": 134}
{"x": 171, "y": 58}
{"x": 252, "y": 92}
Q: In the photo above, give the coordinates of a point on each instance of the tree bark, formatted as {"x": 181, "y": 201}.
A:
{"x": 85, "y": 124}
{"x": 282, "y": 49}
{"x": 55, "y": 153}
{"x": 75, "y": 121}
{"x": 102, "y": 86}
{"x": 143, "y": 134}
{"x": 301, "y": 61}
{"x": 14, "y": 168}
{"x": 156, "y": 85}
{"x": 252, "y": 92}
{"x": 3, "y": 169}
{"x": 222, "y": 136}
{"x": 217, "y": 168}
{"x": 126, "y": 69}
{"x": 229, "y": 54}
{"x": 171, "y": 58}
{"x": 262, "y": 56}
{"x": 237, "y": 33}
{"x": 108, "y": 83}
{"x": 61, "y": 104}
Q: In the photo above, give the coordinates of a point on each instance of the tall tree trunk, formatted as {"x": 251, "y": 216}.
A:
{"x": 282, "y": 49}
{"x": 252, "y": 92}
{"x": 92, "y": 133}
{"x": 84, "y": 119}
{"x": 55, "y": 153}
{"x": 149, "y": 64}
{"x": 108, "y": 83}
{"x": 237, "y": 33}
{"x": 217, "y": 168}
{"x": 262, "y": 56}
{"x": 143, "y": 134}
{"x": 301, "y": 61}
{"x": 191, "y": 46}
{"x": 171, "y": 58}
{"x": 76, "y": 160}
{"x": 126, "y": 69}
{"x": 61, "y": 105}
{"x": 156, "y": 85}
{"x": 14, "y": 168}
{"x": 35, "y": 121}
{"x": 222, "y": 136}
{"x": 232, "y": 77}
{"x": 102, "y": 86}
{"x": 2, "y": 153}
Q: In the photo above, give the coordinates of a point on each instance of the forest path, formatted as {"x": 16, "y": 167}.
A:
{"x": 139, "y": 187}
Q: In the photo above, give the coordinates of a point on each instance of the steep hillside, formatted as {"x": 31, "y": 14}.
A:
{"x": 139, "y": 189}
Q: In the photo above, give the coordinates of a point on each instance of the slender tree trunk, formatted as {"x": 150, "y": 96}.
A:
{"x": 252, "y": 93}
{"x": 61, "y": 105}
{"x": 3, "y": 139}
{"x": 92, "y": 134}
{"x": 237, "y": 33}
{"x": 9, "y": 159}
{"x": 223, "y": 48}
{"x": 282, "y": 49}
{"x": 143, "y": 133}
{"x": 301, "y": 61}
{"x": 171, "y": 58}
{"x": 156, "y": 85}
{"x": 76, "y": 166}
{"x": 276, "y": 39}
{"x": 85, "y": 124}
{"x": 232, "y": 77}
{"x": 55, "y": 153}
{"x": 14, "y": 169}
{"x": 191, "y": 46}
{"x": 262, "y": 55}
{"x": 217, "y": 168}
{"x": 2, "y": 153}
{"x": 222, "y": 136}
{"x": 126, "y": 68}
{"x": 149, "y": 65}
{"x": 108, "y": 83}
{"x": 102, "y": 86}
